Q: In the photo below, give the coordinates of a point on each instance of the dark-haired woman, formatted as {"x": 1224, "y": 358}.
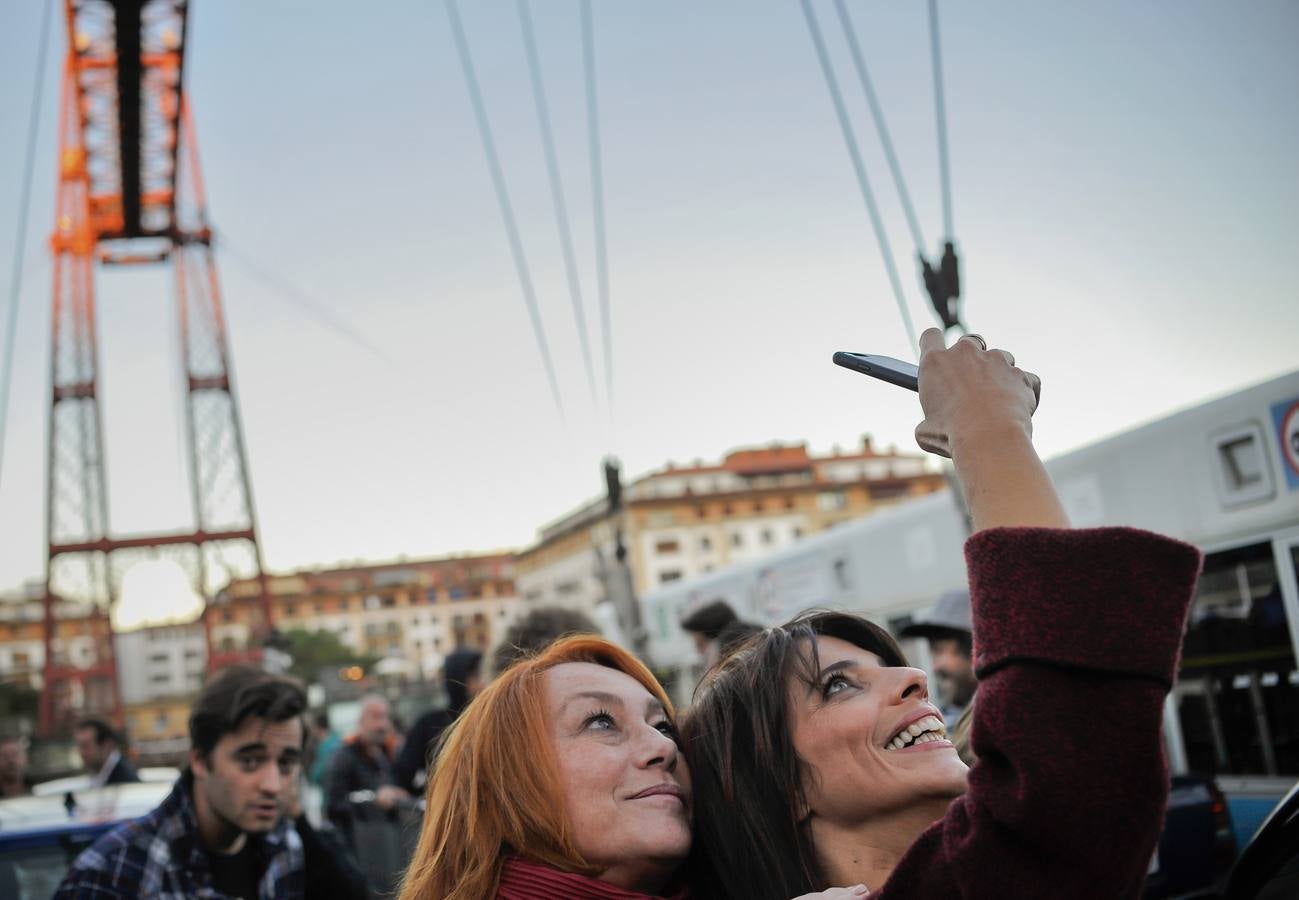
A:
{"x": 818, "y": 758}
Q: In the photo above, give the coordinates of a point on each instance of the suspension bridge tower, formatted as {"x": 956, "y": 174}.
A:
{"x": 130, "y": 194}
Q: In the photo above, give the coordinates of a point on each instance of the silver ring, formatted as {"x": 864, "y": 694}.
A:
{"x": 983, "y": 345}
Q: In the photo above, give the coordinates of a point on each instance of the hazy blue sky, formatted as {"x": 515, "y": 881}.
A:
{"x": 1125, "y": 189}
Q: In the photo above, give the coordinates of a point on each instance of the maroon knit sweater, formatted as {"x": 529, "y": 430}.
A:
{"x": 1076, "y": 640}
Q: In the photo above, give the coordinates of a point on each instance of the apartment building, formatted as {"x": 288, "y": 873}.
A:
{"x": 684, "y": 521}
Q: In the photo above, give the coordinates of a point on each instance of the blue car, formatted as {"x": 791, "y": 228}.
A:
{"x": 41, "y": 835}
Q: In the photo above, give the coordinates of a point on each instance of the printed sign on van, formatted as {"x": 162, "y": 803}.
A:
{"x": 1286, "y": 416}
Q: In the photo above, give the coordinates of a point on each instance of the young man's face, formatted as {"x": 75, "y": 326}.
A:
{"x": 248, "y": 777}
{"x": 93, "y": 753}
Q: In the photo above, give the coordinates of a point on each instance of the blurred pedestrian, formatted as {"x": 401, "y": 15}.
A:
{"x": 221, "y": 833}
{"x": 949, "y": 630}
{"x": 705, "y": 625}
{"x": 13, "y": 767}
{"x": 462, "y": 675}
{"x": 103, "y": 751}
{"x": 364, "y": 763}
{"x": 326, "y": 742}
{"x": 536, "y": 631}
{"x": 735, "y": 636}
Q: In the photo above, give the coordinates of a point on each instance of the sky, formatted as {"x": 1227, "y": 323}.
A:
{"x": 1124, "y": 190}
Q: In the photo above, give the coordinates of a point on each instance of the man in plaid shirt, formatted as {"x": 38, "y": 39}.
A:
{"x": 222, "y": 832}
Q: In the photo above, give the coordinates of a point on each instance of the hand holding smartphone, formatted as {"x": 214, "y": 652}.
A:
{"x": 885, "y": 368}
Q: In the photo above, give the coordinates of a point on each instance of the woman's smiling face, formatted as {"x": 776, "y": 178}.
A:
{"x": 871, "y": 741}
{"x": 626, "y": 787}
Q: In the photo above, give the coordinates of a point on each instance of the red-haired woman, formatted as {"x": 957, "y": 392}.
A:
{"x": 561, "y": 780}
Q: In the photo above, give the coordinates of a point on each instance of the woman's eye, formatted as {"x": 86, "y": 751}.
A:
{"x": 601, "y": 721}
{"x": 667, "y": 728}
{"x": 834, "y": 685}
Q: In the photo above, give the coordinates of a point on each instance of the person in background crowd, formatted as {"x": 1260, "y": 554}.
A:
{"x": 705, "y": 625}
{"x": 102, "y": 752}
{"x": 733, "y": 637}
{"x": 13, "y": 767}
{"x": 949, "y": 631}
{"x": 462, "y": 675}
{"x": 536, "y": 631}
{"x": 326, "y": 742}
{"x": 327, "y": 866}
{"x": 222, "y": 832}
{"x": 364, "y": 763}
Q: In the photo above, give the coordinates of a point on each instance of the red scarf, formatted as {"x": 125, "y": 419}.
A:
{"x": 522, "y": 880}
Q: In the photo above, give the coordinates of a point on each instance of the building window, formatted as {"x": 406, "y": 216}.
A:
{"x": 1236, "y": 689}
{"x": 798, "y": 532}
{"x": 766, "y": 536}
{"x": 831, "y": 501}
{"x": 726, "y": 509}
{"x": 705, "y": 543}
{"x": 737, "y": 539}
{"x": 789, "y": 503}
{"x": 667, "y": 546}
{"x": 757, "y": 506}
{"x": 290, "y": 609}
{"x": 700, "y": 512}
{"x": 669, "y": 575}
{"x": 227, "y": 615}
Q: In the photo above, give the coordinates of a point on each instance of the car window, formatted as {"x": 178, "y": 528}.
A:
{"x": 34, "y": 873}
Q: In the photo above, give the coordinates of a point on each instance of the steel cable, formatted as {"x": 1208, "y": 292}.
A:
{"x": 859, "y": 168}
{"x": 597, "y": 200}
{"x": 503, "y": 199}
{"x": 24, "y": 214}
{"x": 557, "y": 191}
{"x": 940, "y": 109}
{"x": 877, "y": 113}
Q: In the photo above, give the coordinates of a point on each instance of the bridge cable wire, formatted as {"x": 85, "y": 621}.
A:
{"x": 24, "y": 215}
{"x": 294, "y": 295}
{"x": 860, "y": 169}
{"x": 557, "y": 191}
{"x": 503, "y": 199}
{"x": 877, "y": 113}
{"x": 597, "y": 200}
{"x": 940, "y": 109}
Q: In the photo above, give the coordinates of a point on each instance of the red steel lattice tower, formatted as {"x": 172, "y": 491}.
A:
{"x": 130, "y": 193}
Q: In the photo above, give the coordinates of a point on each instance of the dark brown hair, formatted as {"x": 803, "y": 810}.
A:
{"x": 538, "y": 630}
{"x": 748, "y": 778}
{"x": 237, "y": 694}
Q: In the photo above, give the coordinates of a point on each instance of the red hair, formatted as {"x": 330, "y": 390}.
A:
{"x": 494, "y": 791}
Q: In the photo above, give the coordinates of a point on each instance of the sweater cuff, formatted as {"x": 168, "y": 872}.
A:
{"x": 1111, "y": 600}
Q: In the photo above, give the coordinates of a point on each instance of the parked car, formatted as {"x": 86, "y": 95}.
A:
{"x": 1197, "y": 847}
{"x": 41, "y": 835}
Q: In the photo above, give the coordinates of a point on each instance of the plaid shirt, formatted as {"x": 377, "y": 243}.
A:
{"x": 159, "y": 856}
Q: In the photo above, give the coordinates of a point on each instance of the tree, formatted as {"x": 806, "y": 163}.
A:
{"x": 315, "y": 650}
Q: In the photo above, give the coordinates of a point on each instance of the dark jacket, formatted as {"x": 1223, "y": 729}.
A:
{"x": 328, "y": 868}
{"x": 123, "y": 772}
{"x": 411, "y": 769}
{"x": 354, "y": 769}
{"x": 1076, "y": 642}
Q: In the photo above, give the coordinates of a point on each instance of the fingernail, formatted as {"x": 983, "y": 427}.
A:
{"x": 860, "y": 889}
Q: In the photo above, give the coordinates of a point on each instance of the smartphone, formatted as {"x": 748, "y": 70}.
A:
{"x": 885, "y": 368}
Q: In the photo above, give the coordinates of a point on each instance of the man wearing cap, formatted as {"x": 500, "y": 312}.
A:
{"x": 949, "y": 630}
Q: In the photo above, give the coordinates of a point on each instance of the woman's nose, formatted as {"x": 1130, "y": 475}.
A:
{"x": 912, "y": 684}
{"x": 659, "y": 749}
